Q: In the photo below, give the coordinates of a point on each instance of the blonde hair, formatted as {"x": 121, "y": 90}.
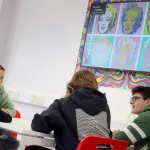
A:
{"x": 111, "y": 8}
{"x": 102, "y": 40}
{"x": 82, "y": 78}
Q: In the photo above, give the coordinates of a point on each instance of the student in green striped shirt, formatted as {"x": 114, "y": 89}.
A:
{"x": 138, "y": 133}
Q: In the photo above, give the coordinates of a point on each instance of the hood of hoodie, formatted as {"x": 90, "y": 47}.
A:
{"x": 90, "y": 100}
{"x": 1, "y": 88}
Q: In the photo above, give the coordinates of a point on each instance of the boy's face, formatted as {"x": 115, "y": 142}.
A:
{"x": 1, "y": 76}
{"x": 138, "y": 102}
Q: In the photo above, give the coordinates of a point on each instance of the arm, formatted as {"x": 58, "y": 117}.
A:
{"x": 7, "y": 105}
{"x": 137, "y": 131}
{"x": 4, "y": 117}
{"x": 48, "y": 120}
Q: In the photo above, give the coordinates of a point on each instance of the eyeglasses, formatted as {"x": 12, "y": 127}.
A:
{"x": 135, "y": 98}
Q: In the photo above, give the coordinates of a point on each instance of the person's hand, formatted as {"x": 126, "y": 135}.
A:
{"x": 115, "y": 131}
{"x": 4, "y": 110}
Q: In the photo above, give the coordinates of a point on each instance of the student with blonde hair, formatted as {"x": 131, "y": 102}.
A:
{"x": 82, "y": 112}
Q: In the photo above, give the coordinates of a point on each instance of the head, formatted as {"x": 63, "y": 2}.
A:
{"x": 140, "y": 99}
{"x": 82, "y": 78}
{"x": 107, "y": 21}
{"x": 125, "y": 50}
{"x": 2, "y": 70}
{"x": 100, "y": 50}
{"x": 131, "y": 18}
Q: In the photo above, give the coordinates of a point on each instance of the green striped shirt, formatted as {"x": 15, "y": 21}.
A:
{"x": 138, "y": 133}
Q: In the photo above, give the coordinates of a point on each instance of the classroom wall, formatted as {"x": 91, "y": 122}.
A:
{"x": 43, "y": 45}
{"x": 41, "y": 53}
{"x": 43, "y": 48}
{"x": 6, "y": 11}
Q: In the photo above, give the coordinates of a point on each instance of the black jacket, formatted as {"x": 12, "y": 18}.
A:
{"x": 68, "y": 115}
{"x": 4, "y": 117}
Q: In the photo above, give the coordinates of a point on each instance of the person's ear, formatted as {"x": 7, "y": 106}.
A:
{"x": 148, "y": 101}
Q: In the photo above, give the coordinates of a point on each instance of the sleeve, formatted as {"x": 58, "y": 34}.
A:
{"x": 136, "y": 131}
{"x": 48, "y": 120}
{"x": 7, "y": 104}
{"x": 5, "y": 117}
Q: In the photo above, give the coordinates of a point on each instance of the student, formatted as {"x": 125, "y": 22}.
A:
{"x": 6, "y": 113}
{"x": 138, "y": 133}
{"x": 83, "y": 111}
{"x": 7, "y": 110}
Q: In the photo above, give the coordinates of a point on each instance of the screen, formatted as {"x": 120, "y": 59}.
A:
{"x": 118, "y": 36}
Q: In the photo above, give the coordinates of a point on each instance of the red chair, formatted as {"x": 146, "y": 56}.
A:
{"x": 17, "y": 115}
{"x": 91, "y": 143}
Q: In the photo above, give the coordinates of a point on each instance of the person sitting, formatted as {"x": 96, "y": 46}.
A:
{"x": 138, "y": 133}
{"x": 82, "y": 112}
{"x": 7, "y": 110}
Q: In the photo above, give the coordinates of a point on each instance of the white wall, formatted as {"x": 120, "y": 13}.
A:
{"x": 44, "y": 44}
{"x": 6, "y": 11}
{"x": 27, "y": 111}
{"x": 42, "y": 50}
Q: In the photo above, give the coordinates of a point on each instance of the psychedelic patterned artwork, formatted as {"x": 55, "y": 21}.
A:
{"x": 115, "y": 78}
{"x": 106, "y": 23}
{"x": 144, "y": 56}
{"x": 125, "y": 53}
{"x": 132, "y": 18}
{"x": 147, "y": 22}
{"x": 97, "y": 51}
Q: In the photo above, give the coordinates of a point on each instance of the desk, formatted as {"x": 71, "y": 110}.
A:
{"x": 28, "y": 137}
{"x": 118, "y": 125}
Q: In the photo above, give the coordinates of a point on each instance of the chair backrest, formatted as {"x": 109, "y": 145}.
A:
{"x": 91, "y": 143}
{"x": 17, "y": 115}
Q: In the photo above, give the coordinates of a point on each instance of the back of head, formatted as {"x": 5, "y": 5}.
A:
{"x": 82, "y": 78}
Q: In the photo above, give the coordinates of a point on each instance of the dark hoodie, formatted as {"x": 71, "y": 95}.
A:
{"x": 84, "y": 112}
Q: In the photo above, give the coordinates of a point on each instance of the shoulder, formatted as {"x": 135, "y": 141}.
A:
{"x": 65, "y": 103}
{"x": 1, "y": 88}
{"x": 143, "y": 118}
{"x": 3, "y": 92}
{"x": 62, "y": 101}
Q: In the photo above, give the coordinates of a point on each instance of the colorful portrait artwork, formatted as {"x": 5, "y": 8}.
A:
{"x": 90, "y": 24}
{"x": 144, "y": 56}
{"x": 147, "y": 22}
{"x": 132, "y": 18}
{"x": 125, "y": 53}
{"x": 112, "y": 78}
{"x": 106, "y": 23}
{"x": 97, "y": 51}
